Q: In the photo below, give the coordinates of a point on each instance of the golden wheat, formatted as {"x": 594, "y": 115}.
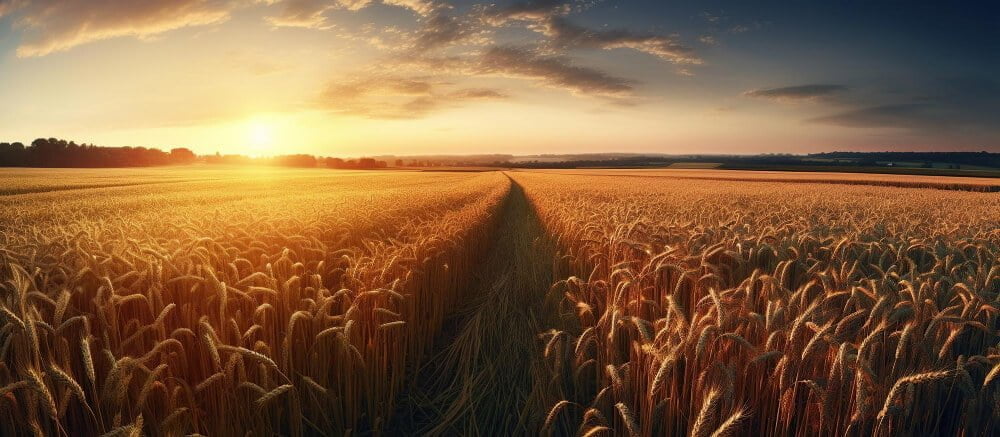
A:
{"x": 174, "y": 308}
{"x": 810, "y": 300}
{"x": 298, "y": 302}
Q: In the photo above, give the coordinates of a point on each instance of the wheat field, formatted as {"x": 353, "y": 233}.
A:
{"x": 708, "y": 307}
{"x": 264, "y": 301}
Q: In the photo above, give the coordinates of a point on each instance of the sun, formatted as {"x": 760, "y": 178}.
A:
{"x": 260, "y": 136}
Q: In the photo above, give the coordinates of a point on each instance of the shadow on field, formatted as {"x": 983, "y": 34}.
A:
{"x": 479, "y": 379}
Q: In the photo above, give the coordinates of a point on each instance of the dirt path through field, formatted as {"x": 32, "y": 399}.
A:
{"x": 480, "y": 379}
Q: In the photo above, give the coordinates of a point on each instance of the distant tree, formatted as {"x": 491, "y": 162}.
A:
{"x": 399, "y": 163}
{"x": 181, "y": 155}
{"x": 371, "y": 163}
{"x": 6, "y": 155}
{"x": 219, "y": 158}
{"x": 52, "y": 152}
{"x": 295, "y": 161}
{"x": 13, "y": 156}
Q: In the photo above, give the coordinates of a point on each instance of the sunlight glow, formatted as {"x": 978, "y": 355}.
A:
{"x": 260, "y": 136}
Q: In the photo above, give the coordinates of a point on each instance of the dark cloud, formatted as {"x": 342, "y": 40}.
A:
{"x": 55, "y": 25}
{"x": 902, "y": 115}
{"x": 566, "y": 34}
{"x": 954, "y": 106}
{"x": 555, "y": 71}
{"x": 548, "y": 18}
{"x": 523, "y": 62}
{"x": 800, "y": 92}
{"x": 399, "y": 97}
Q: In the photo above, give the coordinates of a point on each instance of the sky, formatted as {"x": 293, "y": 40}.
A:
{"x": 411, "y": 77}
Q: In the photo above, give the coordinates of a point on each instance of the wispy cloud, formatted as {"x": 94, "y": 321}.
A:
{"x": 312, "y": 13}
{"x": 421, "y": 7}
{"x": 796, "y": 93}
{"x": 554, "y": 71}
{"x": 532, "y": 10}
{"x": 566, "y": 34}
{"x": 548, "y": 17}
{"x": 56, "y": 25}
{"x": 944, "y": 106}
{"x": 901, "y": 115}
{"x": 440, "y": 31}
{"x": 399, "y": 97}
{"x": 527, "y": 63}
{"x": 307, "y": 13}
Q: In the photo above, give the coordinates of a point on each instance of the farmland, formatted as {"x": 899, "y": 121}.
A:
{"x": 773, "y": 308}
{"x": 226, "y": 301}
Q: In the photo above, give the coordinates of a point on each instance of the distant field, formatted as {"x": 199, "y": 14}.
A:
{"x": 914, "y": 181}
{"x": 272, "y": 301}
{"x": 695, "y": 165}
{"x": 939, "y": 169}
{"x": 31, "y": 180}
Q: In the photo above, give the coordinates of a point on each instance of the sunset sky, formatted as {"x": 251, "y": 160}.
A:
{"x": 357, "y": 77}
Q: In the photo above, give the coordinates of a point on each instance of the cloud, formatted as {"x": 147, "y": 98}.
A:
{"x": 56, "y": 25}
{"x": 901, "y": 115}
{"x": 566, "y": 34}
{"x": 424, "y": 105}
{"x": 796, "y": 93}
{"x": 399, "y": 97}
{"x": 532, "y": 10}
{"x": 555, "y": 71}
{"x": 523, "y": 62}
{"x": 353, "y": 5}
{"x": 548, "y": 18}
{"x": 952, "y": 106}
{"x": 478, "y": 94}
{"x": 720, "y": 26}
{"x": 7, "y": 6}
{"x": 309, "y": 13}
{"x": 420, "y": 7}
{"x": 441, "y": 31}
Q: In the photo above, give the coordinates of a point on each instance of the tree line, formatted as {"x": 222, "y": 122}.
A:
{"x": 980, "y": 159}
{"x": 52, "y": 152}
{"x": 297, "y": 160}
